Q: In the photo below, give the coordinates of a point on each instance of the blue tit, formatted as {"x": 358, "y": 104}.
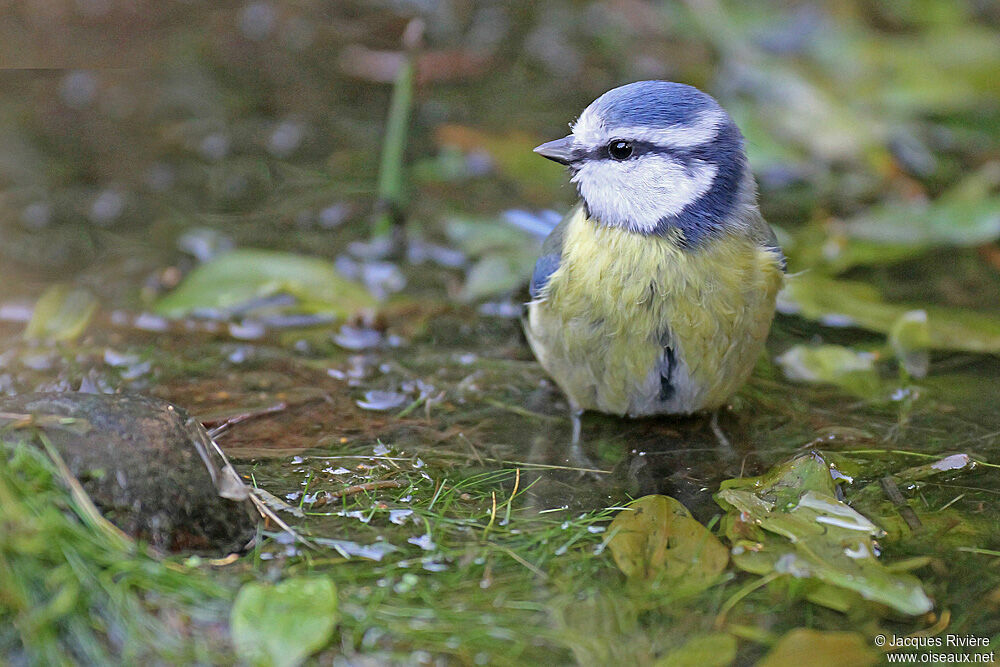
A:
{"x": 656, "y": 292}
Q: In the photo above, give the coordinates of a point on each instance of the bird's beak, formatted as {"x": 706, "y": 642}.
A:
{"x": 560, "y": 150}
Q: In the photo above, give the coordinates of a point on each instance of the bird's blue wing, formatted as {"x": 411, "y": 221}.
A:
{"x": 769, "y": 241}
{"x": 550, "y": 258}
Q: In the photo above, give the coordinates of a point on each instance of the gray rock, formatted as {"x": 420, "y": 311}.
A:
{"x": 145, "y": 463}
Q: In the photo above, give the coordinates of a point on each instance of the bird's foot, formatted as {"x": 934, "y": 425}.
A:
{"x": 720, "y": 435}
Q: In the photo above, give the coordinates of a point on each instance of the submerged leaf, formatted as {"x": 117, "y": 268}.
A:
{"x": 714, "y": 649}
{"x": 790, "y": 521}
{"x": 911, "y": 339}
{"x": 236, "y": 278}
{"x": 62, "y": 313}
{"x": 504, "y": 257}
{"x": 849, "y": 369}
{"x": 803, "y": 646}
{"x": 656, "y": 537}
{"x": 494, "y": 275}
{"x": 966, "y": 215}
{"x": 284, "y": 624}
{"x": 848, "y": 303}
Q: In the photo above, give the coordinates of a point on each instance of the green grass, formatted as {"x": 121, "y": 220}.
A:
{"x": 74, "y": 590}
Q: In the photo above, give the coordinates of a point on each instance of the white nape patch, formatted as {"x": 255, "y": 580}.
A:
{"x": 636, "y": 194}
{"x": 590, "y": 131}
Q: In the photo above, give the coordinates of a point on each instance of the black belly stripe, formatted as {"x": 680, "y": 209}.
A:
{"x": 667, "y": 389}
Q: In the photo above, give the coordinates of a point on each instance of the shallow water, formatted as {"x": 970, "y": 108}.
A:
{"x": 272, "y": 142}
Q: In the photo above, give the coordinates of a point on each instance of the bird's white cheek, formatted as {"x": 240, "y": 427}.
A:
{"x": 638, "y": 194}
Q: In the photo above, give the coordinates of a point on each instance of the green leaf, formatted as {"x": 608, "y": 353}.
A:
{"x": 844, "y": 302}
{"x": 803, "y": 646}
{"x": 657, "y": 538}
{"x": 282, "y": 625}
{"x": 910, "y": 338}
{"x": 790, "y": 521}
{"x": 966, "y": 215}
{"x": 239, "y": 276}
{"x": 504, "y": 256}
{"x": 849, "y": 369}
{"x": 62, "y": 313}
{"x": 493, "y": 275}
{"x": 714, "y": 649}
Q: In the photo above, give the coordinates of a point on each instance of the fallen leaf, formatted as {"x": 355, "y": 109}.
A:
{"x": 656, "y": 537}
{"x": 789, "y": 521}
{"x": 238, "y": 277}
{"x": 910, "y": 339}
{"x": 844, "y": 367}
{"x": 965, "y": 215}
{"x": 848, "y": 303}
{"x": 282, "y": 625}
{"x": 62, "y": 313}
{"x": 714, "y": 649}
{"x": 803, "y": 646}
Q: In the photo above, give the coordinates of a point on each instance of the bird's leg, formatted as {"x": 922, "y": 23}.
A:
{"x": 577, "y": 456}
{"x": 717, "y": 431}
{"x": 574, "y": 414}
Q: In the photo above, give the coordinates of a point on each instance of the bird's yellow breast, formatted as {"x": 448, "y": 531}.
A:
{"x": 600, "y": 325}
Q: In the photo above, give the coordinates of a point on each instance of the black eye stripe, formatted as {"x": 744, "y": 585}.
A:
{"x": 639, "y": 148}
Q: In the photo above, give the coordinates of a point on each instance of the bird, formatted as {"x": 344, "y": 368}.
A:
{"x": 655, "y": 294}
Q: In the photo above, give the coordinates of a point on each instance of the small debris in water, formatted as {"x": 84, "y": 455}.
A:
{"x": 107, "y": 207}
{"x": 241, "y": 354}
{"x": 419, "y": 252}
{"x": 504, "y": 309}
{"x": 363, "y": 517}
{"x": 150, "y": 322}
{"x": 247, "y": 330}
{"x": 258, "y": 20}
{"x": 357, "y": 338}
{"x": 435, "y": 566}
{"x": 382, "y": 278}
{"x": 399, "y": 517}
{"x": 953, "y": 462}
{"x": 375, "y": 551}
{"x": 381, "y": 400}
{"x": 214, "y": 147}
{"x": 285, "y": 138}
{"x": 333, "y": 215}
{"x": 424, "y": 542}
{"x": 16, "y": 312}
{"x": 837, "y": 320}
{"x": 204, "y": 243}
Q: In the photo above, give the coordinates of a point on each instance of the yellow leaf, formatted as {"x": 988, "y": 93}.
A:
{"x": 656, "y": 537}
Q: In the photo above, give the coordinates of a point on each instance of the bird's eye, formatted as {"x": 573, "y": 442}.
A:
{"x": 620, "y": 150}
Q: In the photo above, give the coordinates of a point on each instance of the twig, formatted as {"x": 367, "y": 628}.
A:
{"x": 892, "y": 492}
{"x": 224, "y": 425}
{"x": 358, "y": 488}
{"x": 517, "y": 410}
